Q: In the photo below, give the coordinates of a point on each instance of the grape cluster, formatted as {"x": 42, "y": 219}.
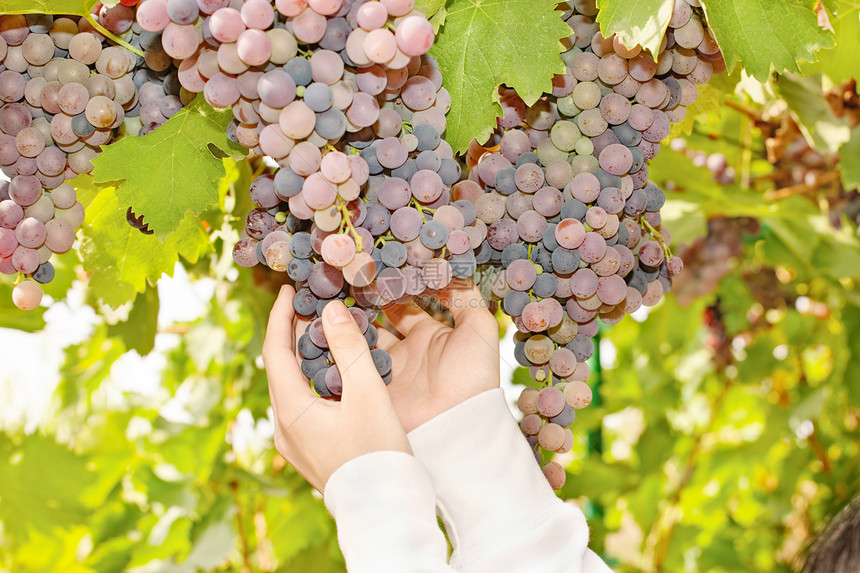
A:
{"x": 798, "y": 167}
{"x": 572, "y": 217}
{"x": 342, "y": 96}
{"x": 710, "y": 258}
{"x": 65, "y": 92}
{"x": 716, "y": 163}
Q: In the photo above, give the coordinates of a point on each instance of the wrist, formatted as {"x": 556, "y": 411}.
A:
{"x": 381, "y": 500}
{"x": 483, "y": 470}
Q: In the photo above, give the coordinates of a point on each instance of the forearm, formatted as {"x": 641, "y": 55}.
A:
{"x": 499, "y": 511}
{"x": 384, "y": 505}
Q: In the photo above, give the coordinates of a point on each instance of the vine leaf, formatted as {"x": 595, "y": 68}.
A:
{"x": 765, "y": 34}
{"x": 138, "y": 331}
{"x": 429, "y": 7}
{"x": 640, "y": 22}
{"x": 121, "y": 259}
{"x": 69, "y": 7}
{"x": 849, "y": 165}
{"x": 486, "y": 43}
{"x": 434, "y": 10}
{"x": 59, "y": 502}
{"x": 841, "y": 62}
{"x": 821, "y": 128}
{"x": 171, "y": 171}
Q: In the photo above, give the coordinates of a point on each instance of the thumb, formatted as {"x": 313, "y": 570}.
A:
{"x": 350, "y": 351}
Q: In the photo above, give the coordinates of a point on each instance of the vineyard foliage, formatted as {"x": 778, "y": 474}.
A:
{"x": 726, "y": 421}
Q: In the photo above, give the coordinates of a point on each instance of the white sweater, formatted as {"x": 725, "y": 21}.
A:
{"x": 473, "y": 465}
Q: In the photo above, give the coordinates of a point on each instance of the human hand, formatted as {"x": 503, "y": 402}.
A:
{"x": 437, "y": 367}
{"x": 318, "y": 436}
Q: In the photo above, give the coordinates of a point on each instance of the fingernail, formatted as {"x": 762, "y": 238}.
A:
{"x": 336, "y": 313}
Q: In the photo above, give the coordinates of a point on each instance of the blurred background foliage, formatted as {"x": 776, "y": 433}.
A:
{"x": 726, "y": 421}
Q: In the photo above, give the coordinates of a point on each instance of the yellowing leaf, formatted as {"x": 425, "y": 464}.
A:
{"x": 122, "y": 259}
{"x": 169, "y": 172}
{"x": 707, "y": 103}
{"x": 766, "y": 34}
{"x": 71, "y": 7}
{"x": 485, "y": 43}
{"x": 640, "y": 22}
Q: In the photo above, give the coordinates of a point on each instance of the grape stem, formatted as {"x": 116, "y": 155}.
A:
{"x": 777, "y": 194}
{"x": 656, "y": 236}
{"x": 347, "y": 224}
{"x": 421, "y": 208}
{"x": 382, "y": 238}
{"x": 113, "y": 37}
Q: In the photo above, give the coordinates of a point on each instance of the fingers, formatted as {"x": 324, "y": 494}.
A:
{"x": 407, "y": 317}
{"x": 287, "y": 386}
{"x": 463, "y": 299}
{"x": 350, "y": 352}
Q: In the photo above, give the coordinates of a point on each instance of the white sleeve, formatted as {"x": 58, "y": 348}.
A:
{"x": 384, "y": 505}
{"x": 499, "y": 511}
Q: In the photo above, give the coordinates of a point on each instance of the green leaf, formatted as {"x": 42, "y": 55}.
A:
{"x": 821, "y": 128}
{"x": 640, "y": 22}
{"x": 766, "y": 34}
{"x": 138, "y": 331}
{"x": 486, "y": 43}
{"x": 522, "y": 377}
{"x": 685, "y": 219}
{"x": 429, "y": 7}
{"x": 707, "y": 103}
{"x": 71, "y": 7}
{"x": 841, "y": 63}
{"x": 85, "y": 367}
{"x": 171, "y": 171}
{"x": 41, "y": 482}
{"x": 838, "y": 256}
{"x": 849, "y": 165}
{"x": 122, "y": 259}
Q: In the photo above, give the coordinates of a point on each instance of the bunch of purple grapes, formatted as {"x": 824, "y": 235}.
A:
{"x": 65, "y": 92}
{"x": 342, "y": 96}
{"x": 716, "y": 163}
{"x": 572, "y": 217}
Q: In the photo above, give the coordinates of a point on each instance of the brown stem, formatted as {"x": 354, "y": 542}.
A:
{"x": 240, "y": 528}
{"x": 265, "y": 556}
{"x": 721, "y": 137}
{"x": 802, "y": 188}
{"x": 820, "y": 452}
{"x": 812, "y": 439}
{"x": 753, "y": 114}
